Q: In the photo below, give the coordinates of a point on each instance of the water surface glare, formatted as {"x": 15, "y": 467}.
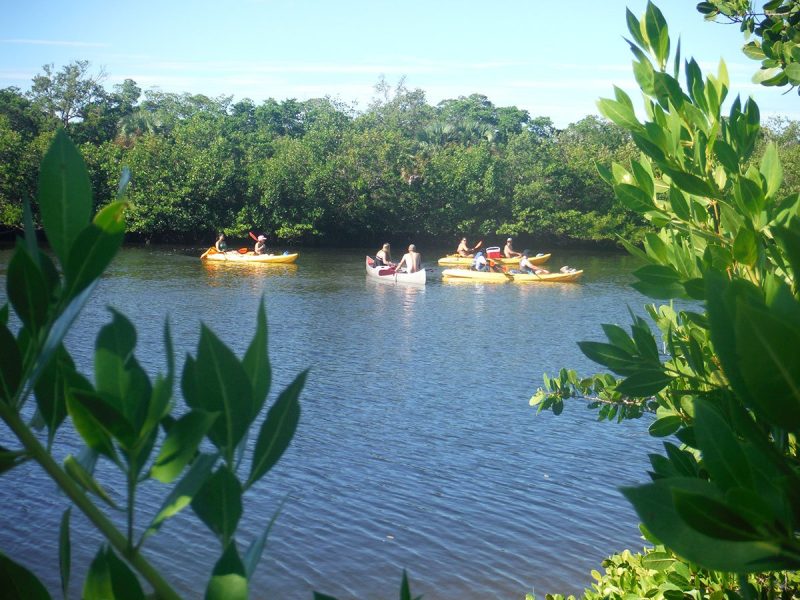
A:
{"x": 416, "y": 449}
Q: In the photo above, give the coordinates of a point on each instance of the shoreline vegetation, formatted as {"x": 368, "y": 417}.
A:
{"x": 319, "y": 173}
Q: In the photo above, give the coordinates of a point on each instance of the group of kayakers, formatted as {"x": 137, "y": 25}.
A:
{"x": 482, "y": 262}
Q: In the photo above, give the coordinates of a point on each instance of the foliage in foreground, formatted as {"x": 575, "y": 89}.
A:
{"x": 658, "y": 574}
{"x": 198, "y": 451}
{"x": 726, "y": 388}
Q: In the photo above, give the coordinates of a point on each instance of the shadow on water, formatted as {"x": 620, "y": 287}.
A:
{"x": 417, "y": 448}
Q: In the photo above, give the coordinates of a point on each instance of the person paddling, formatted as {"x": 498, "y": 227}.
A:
{"x": 411, "y": 259}
{"x": 526, "y": 266}
{"x": 384, "y": 255}
{"x": 261, "y": 245}
{"x": 508, "y": 250}
{"x": 221, "y": 245}
{"x": 464, "y": 249}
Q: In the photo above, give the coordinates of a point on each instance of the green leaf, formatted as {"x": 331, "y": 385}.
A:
{"x": 609, "y": 356}
{"x": 10, "y": 459}
{"x": 60, "y": 328}
{"x": 654, "y": 505}
{"x": 644, "y": 383}
{"x": 634, "y": 27}
{"x": 745, "y": 246}
{"x": 95, "y": 247}
{"x": 772, "y": 368}
{"x": 771, "y": 168}
{"x": 665, "y": 426}
{"x": 712, "y": 517}
{"x": 52, "y": 387}
{"x": 228, "y": 579}
{"x": 120, "y": 378}
{"x": 679, "y": 204}
{"x": 180, "y": 445}
{"x": 105, "y": 414}
{"x": 792, "y": 71}
{"x": 657, "y": 32}
{"x": 256, "y": 362}
{"x": 65, "y": 195}
{"x": 277, "y": 430}
{"x": 182, "y": 494}
{"x": 18, "y": 583}
{"x": 27, "y": 289}
{"x": 658, "y": 561}
{"x": 723, "y": 454}
{"x": 256, "y": 548}
{"x": 634, "y": 198}
{"x": 217, "y": 382}
{"x": 111, "y": 579}
{"x": 619, "y": 337}
{"x": 727, "y": 156}
{"x": 88, "y": 427}
{"x": 690, "y": 183}
{"x": 219, "y": 503}
{"x": 754, "y": 51}
{"x": 10, "y": 366}
{"x": 64, "y": 552}
{"x": 618, "y": 113}
{"x": 86, "y": 481}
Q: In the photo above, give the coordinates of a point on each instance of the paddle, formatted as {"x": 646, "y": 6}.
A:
{"x": 211, "y": 250}
{"x": 253, "y": 235}
{"x": 503, "y": 268}
{"x": 478, "y": 245}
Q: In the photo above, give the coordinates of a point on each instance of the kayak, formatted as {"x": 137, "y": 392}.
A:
{"x": 251, "y": 257}
{"x": 384, "y": 273}
{"x": 454, "y": 260}
{"x": 493, "y": 277}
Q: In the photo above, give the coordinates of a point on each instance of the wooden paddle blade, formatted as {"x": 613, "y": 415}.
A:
{"x": 478, "y": 245}
{"x": 243, "y": 250}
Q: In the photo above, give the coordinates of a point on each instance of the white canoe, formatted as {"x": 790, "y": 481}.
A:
{"x": 389, "y": 274}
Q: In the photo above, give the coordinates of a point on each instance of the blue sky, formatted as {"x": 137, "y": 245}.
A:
{"x": 553, "y": 59}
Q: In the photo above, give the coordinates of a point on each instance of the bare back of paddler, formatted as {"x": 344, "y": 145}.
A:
{"x": 412, "y": 260}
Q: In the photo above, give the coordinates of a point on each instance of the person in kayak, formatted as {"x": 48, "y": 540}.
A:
{"x": 261, "y": 245}
{"x": 508, "y": 250}
{"x": 384, "y": 255}
{"x": 221, "y": 245}
{"x": 526, "y": 266}
{"x": 464, "y": 250}
{"x": 479, "y": 262}
{"x": 411, "y": 259}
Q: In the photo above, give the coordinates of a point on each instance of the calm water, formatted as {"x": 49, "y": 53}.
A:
{"x": 417, "y": 448}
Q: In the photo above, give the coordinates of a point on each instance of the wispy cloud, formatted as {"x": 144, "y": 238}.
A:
{"x": 68, "y": 43}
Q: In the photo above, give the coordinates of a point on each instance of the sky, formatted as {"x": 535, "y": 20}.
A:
{"x": 553, "y": 59}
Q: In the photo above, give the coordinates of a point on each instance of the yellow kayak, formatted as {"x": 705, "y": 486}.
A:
{"x": 454, "y": 260}
{"x": 250, "y": 257}
{"x": 494, "y": 277}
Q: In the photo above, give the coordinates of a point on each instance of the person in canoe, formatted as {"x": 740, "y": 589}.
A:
{"x": 220, "y": 244}
{"x": 384, "y": 255}
{"x": 261, "y": 245}
{"x": 411, "y": 259}
{"x": 464, "y": 249}
{"x": 508, "y": 250}
{"x": 526, "y": 266}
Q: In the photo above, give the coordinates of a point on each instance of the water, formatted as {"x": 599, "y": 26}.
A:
{"x": 417, "y": 448}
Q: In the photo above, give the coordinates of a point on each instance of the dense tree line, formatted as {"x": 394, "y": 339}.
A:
{"x": 318, "y": 171}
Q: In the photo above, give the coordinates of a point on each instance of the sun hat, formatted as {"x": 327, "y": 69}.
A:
{"x": 261, "y": 238}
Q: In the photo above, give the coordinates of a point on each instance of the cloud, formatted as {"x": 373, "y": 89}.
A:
{"x": 68, "y": 43}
